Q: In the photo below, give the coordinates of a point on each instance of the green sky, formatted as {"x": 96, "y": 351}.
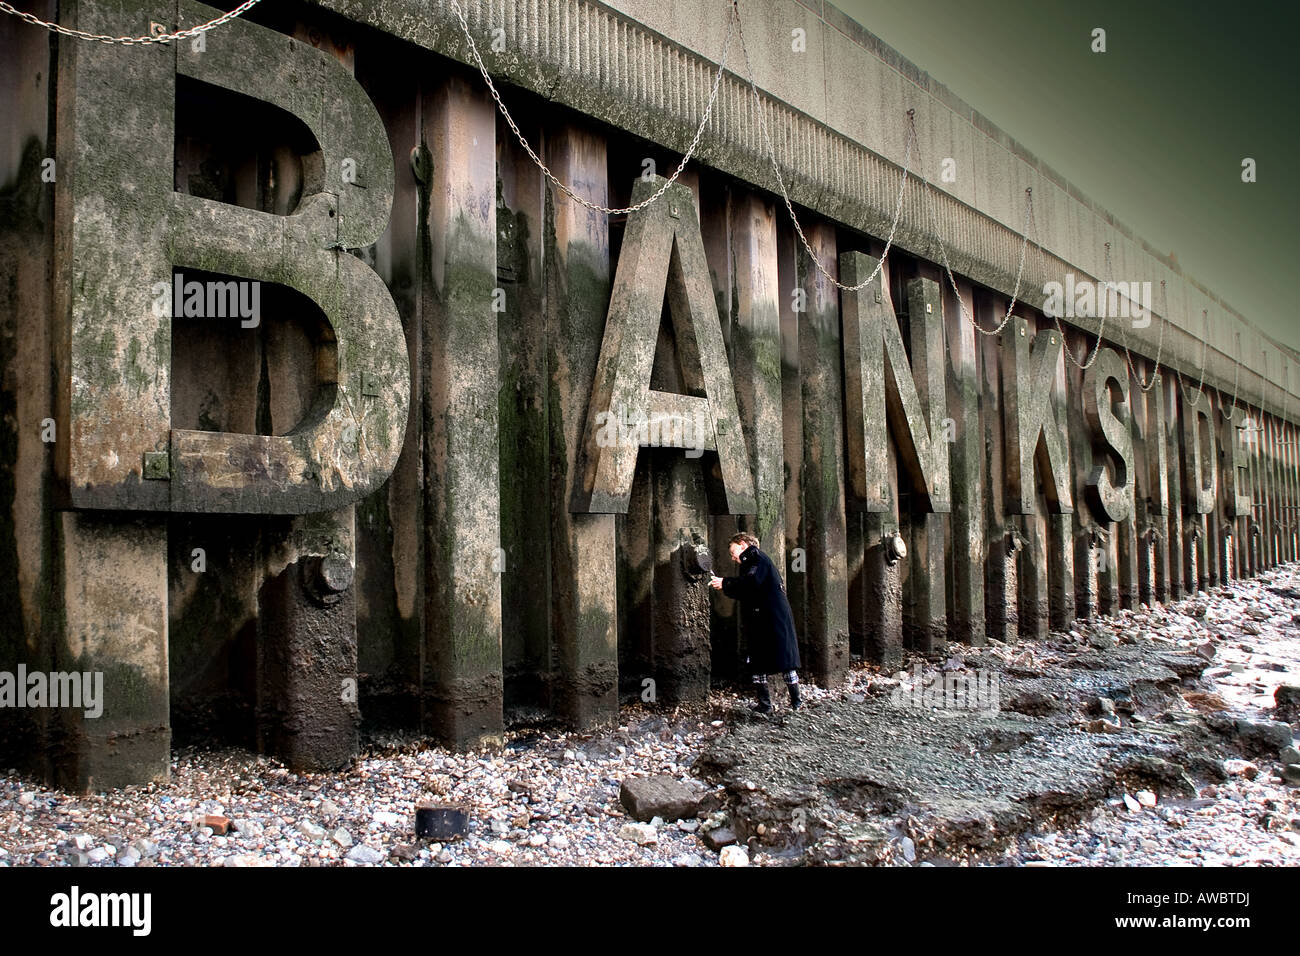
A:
{"x": 1154, "y": 129}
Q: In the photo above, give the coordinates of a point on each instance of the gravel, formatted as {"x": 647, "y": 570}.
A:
{"x": 552, "y": 798}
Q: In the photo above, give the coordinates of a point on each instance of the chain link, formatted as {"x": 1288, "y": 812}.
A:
{"x": 1205, "y": 347}
{"x": 1160, "y": 345}
{"x": 732, "y": 18}
{"x": 1286, "y": 390}
{"x": 131, "y": 41}
{"x": 943, "y": 250}
{"x": 1101, "y": 326}
{"x": 785, "y": 193}
{"x": 1236, "y": 380}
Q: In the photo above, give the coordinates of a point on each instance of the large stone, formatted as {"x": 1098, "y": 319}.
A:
{"x": 648, "y": 797}
{"x": 734, "y": 856}
{"x": 715, "y": 840}
{"x": 1286, "y": 703}
{"x": 1267, "y": 736}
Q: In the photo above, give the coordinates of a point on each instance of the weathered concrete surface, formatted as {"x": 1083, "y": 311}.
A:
{"x": 27, "y": 555}
{"x": 825, "y": 638}
{"x": 390, "y": 525}
{"x": 583, "y": 568}
{"x": 662, "y": 259}
{"x": 1036, "y": 454}
{"x": 114, "y": 361}
{"x": 681, "y": 597}
{"x": 524, "y": 473}
{"x": 646, "y": 67}
{"x": 925, "y": 595}
{"x": 463, "y": 683}
{"x": 967, "y": 543}
{"x": 756, "y": 362}
{"x": 113, "y": 581}
{"x": 506, "y": 394}
{"x": 1001, "y": 610}
{"x": 307, "y": 712}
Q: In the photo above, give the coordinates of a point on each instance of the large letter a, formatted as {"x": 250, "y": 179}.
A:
{"x": 662, "y": 248}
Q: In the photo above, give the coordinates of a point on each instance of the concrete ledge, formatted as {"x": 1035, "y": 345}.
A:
{"x": 646, "y": 67}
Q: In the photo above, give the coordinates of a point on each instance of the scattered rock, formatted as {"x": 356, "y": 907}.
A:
{"x": 218, "y": 824}
{"x": 716, "y": 839}
{"x": 247, "y": 828}
{"x": 1263, "y": 736}
{"x": 1286, "y": 703}
{"x": 1033, "y": 703}
{"x": 661, "y": 796}
{"x": 734, "y": 856}
{"x": 908, "y": 848}
{"x": 1132, "y": 804}
{"x": 365, "y": 855}
{"x": 1241, "y": 768}
{"x": 643, "y": 834}
{"x": 311, "y": 831}
{"x": 1146, "y": 798}
{"x": 342, "y": 837}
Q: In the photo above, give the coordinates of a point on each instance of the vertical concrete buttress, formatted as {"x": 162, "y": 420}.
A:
{"x": 826, "y": 636}
{"x": 463, "y": 681}
{"x": 583, "y": 563}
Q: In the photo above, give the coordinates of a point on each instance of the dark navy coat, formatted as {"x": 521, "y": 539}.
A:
{"x": 765, "y": 616}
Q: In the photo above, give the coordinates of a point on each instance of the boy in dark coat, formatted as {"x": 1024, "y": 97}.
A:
{"x": 765, "y": 618}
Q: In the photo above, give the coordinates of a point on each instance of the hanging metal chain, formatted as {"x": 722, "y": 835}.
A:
{"x": 1101, "y": 326}
{"x": 1286, "y": 394}
{"x": 132, "y": 41}
{"x": 1160, "y": 345}
{"x": 1205, "y": 346}
{"x": 1236, "y": 380}
{"x": 943, "y": 250}
{"x": 785, "y": 193}
{"x": 732, "y": 18}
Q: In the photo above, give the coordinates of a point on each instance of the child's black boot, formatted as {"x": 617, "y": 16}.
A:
{"x": 764, "y": 705}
